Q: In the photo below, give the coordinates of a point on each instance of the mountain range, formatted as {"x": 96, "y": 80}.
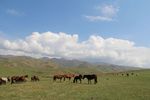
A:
{"x": 26, "y": 61}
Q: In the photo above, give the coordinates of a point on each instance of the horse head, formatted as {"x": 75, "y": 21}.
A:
{"x": 80, "y": 76}
{"x": 84, "y": 76}
{"x": 8, "y": 78}
{"x": 26, "y": 76}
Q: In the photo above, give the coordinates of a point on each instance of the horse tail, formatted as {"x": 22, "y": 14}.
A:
{"x": 8, "y": 79}
{"x": 64, "y": 78}
{"x": 95, "y": 79}
{"x": 54, "y": 78}
{"x": 74, "y": 80}
{"x": 12, "y": 81}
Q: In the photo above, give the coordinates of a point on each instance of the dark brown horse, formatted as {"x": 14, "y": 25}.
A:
{"x": 35, "y": 78}
{"x": 55, "y": 77}
{"x": 16, "y": 79}
{"x": 127, "y": 74}
{"x": 77, "y": 77}
{"x": 91, "y": 77}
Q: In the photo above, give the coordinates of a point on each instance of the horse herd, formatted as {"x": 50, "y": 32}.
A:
{"x": 77, "y": 77}
{"x": 17, "y": 79}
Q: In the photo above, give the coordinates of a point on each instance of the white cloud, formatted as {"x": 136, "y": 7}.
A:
{"x": 106, "y": 13}
{"x": 96, "y": 48}
{"x": 14, "y": 12}
{"x": 96, "y": 18}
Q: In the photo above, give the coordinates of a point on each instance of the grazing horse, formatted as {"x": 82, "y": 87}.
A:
{"x": 58, "y": 77}
{"x": 132, "y": 73}
{"x": 6, "y": 79}
{"x": 35, "y": 78}
{"x": 68, "y": 76}
{"x": 76, "y": 78}
{"x": 127, "y": 74}
{"x": 91, "y": 77}
{"x": 2, "y": 81}
{"x": 16, "y": 79}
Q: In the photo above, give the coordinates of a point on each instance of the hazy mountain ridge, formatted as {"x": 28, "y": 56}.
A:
{"x": 25, "y": 61}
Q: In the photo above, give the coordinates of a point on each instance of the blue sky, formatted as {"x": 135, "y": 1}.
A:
{"x": 112, "y": 31}
{"x": 131, "y": 21}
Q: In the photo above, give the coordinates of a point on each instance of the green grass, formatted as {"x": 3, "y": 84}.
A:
{"x": 109, "y": 87}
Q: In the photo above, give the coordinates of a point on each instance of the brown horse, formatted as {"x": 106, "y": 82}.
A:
{"x": 68, "y": 76}
{"x": 58, "y": 77}
{"x": 16, "y": 79}
{"x": 35, "y": 78}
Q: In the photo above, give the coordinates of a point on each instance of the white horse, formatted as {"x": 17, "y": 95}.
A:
{"x": 6, "y": 79}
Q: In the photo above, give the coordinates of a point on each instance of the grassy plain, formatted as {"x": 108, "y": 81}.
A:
{"x": 109, "y": 87}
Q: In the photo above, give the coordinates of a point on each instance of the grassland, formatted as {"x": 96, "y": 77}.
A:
{"x": 109, "y": 87}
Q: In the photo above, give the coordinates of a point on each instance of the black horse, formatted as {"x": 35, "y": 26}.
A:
{"x": 91, "y": 77}
{"x": 76, "y": 78}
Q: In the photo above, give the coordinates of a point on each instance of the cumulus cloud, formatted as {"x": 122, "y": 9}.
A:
{"x": 106, "y": 13}
{"x": 96, "y": 48}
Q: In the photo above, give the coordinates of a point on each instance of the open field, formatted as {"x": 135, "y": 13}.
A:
{"x": 109, "y": 87}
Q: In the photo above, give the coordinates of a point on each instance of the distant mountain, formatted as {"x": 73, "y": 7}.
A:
{"x": 115, "y": 68}
{"x": 25, "y": 61}
{"x": 69, "y": 63}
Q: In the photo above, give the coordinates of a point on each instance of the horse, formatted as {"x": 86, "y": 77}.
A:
{"x": 58, "y": 77}
{"x": 35, "y": 78}
{"x": 127, "y": 74}
{"x": 7, "y": 79}
{"x": 68, "y": 76}
{"x": 16, "y": 79}
{"x": 2, "y": 81}
{"x": 91, "y": 77}
{"x": 76, "y": 78}
{"x": 132, "y": 73}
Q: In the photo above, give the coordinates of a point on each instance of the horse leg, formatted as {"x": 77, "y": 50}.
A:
{"x": 69, "y": 78}
{"x": 95, "y": 80}
{"x": 80, "y": 81}
{"x": 64, "y": 79}
{"x": 4, "y": 82}
{"x": 12, "y": 81}
{"x": 54, "y": 78}
{"x": 76, "y": 80}
{"x": 73, "y": 80}
{"x": 60, "y": 79}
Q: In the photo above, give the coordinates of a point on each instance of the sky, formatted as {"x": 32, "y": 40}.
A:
{"x": 113, "y": 31}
